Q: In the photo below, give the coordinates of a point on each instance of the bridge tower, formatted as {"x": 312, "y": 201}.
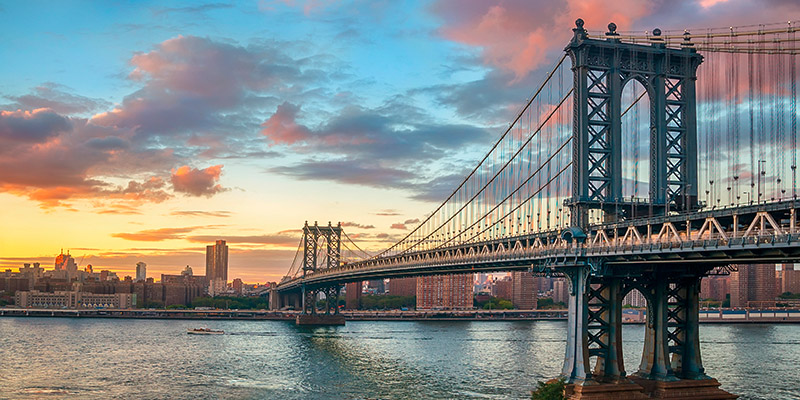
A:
{"x": 601, "y": 69}
{"x": 314, "y": 259}
{"x": 671, "y": 363}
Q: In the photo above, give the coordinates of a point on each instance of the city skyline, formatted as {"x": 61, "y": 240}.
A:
{"x": 143, "y": 133}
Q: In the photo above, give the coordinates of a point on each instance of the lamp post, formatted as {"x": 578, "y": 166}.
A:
{"x": 761, "y": 173}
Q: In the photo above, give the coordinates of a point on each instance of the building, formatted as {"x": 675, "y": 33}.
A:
{"x": 141, "y": 271}
{"x": 73, "y": 299}
{"x": 524, "y": 290}
{"x": 217, "y": 287}
{"x": 560, "y": 291}
{"x": 753, "y": 285}
{"x": 544, "y": 284}
{"x": 403, "y": 286}
{"x": 715, "y": 288}
{"x": 376, "y": 286}
{"x": 237, "y": 286}
{"x": 217, "y": 262}
{"x": 65, "y": 262}
{"x": 444, "y": 292}
{"x": 789, "y": 279}
{"x": 352, "y": 295}
{"x": 502, "y": 288}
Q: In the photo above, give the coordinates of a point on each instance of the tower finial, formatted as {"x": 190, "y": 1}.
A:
{"x": 578, "y": 30}
{"x": 612, "y": 30}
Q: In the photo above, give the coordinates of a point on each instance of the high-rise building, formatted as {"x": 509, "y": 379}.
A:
{"x": 523, "y": 290}
{"x": 352, "y": 295}
{"x": 560, "y": 290}
{"x": 753, "y": 285}
{"x": 217, "y": 262}
{"x": 403, "y": 286}
{"x": 141, "y": 271}
{"x": 544, "y": 284}
{"x": 444, "y": 291}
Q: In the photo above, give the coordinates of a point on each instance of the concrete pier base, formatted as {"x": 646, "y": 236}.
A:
{"x": 599, "y": 391}
{"x": 320, "y": 319}
{"x": 689, "y": 389}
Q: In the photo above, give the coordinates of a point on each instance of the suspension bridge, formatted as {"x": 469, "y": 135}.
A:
{"x": 643, "y": 161}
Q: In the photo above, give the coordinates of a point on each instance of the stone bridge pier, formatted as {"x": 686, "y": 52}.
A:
{"x": 671, "y": 365}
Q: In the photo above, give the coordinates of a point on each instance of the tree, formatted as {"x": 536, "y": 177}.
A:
{"x": 495, "y": 303}
{"x": 550, "y": 390}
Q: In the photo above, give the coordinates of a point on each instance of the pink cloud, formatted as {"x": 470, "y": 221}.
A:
{"x": 281, "y": 127}
{"x": 518, "y": 35}
{"x": 197, "y": 182}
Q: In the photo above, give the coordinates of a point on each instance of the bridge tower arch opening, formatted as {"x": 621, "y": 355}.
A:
{"x": 637, "y": 123}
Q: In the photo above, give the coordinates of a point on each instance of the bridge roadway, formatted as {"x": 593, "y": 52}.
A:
{"x": 748, "y": 234}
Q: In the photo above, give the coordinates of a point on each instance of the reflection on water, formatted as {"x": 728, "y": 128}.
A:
{"x": 79, "y": 358}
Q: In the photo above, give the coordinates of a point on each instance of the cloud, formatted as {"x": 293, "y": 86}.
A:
{"x": 197, "y": 182}
{"x": 346, "y": 171}
{"x": 194, "y": 84}
{"x": 395, "y": 146}
{"x": 273, "y": 239}
{"x": 192, "y": 10}
{"x": 281, "y": 128}
{"x": 387, "y": 213}
{"x": 57, "y": 98}
{"x": 156, "y": 235}
{"x": 404, "y": 225}
{"x": 357, "y": 225}
{"x": 37, "y": 126}
{"x": 51, "y": 158}
{"x": 195, "y": 213}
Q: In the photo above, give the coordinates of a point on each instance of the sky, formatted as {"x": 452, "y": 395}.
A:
{"x": 143, "y": 131}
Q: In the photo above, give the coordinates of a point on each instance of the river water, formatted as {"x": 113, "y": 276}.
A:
{"x": 55, "y": 358}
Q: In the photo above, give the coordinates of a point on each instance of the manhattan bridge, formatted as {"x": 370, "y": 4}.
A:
{"x": 642, "y": 162}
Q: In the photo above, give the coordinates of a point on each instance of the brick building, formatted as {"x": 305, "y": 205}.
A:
{"x": 715, "y": 287}
{"x": 352, "y": 295}
{"x": 502, "y": 288}
{"x": 444, "y": 291}
{"x": 523, "y": 290}
{"x": 789, "y": 279}
{"x": 403, "y": 286}
{"x": 753, "y": 285}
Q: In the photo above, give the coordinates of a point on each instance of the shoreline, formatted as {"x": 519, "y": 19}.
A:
{"x": 791, "y": 317}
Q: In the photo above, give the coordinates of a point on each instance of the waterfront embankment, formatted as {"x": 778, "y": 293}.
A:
{"x": 724, "y": 316}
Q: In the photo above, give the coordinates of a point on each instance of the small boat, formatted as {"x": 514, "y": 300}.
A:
{"x": 204, "y": 331}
